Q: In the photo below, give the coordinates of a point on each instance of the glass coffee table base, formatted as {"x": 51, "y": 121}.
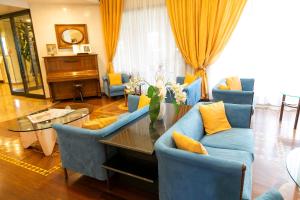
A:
{"x": 46, "y": 137}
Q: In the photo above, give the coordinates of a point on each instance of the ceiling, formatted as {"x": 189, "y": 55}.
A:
{"x": 9, "y": 9}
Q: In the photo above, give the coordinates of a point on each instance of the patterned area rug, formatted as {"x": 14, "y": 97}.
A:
{"x": 115, "y": 108}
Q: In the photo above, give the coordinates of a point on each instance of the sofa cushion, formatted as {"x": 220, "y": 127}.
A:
{"x": 240, "y": 156}
{"x": 115, "y": 79}
{"x": 235, "y": 138}
{"x": 188, "y": 144}
{"x": 214, "y": 117}
{"x": 116, "y": 88}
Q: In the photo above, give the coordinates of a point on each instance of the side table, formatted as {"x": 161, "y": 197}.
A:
{"x": 284, "y": 103}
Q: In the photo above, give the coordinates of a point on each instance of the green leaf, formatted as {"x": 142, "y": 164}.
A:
{"x": 176, "y": 106}
{"x": 154, "y": 108}
{"x": 151, "y": 91}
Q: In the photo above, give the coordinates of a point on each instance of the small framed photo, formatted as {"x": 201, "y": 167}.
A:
{"x": 85, "y": 48}
{"x": 51, "y": 49}
{"x": 76, "y": 48}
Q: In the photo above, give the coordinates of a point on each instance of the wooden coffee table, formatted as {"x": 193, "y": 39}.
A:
{"x": 42, "y": 132}
{"x": 135, "y": 146}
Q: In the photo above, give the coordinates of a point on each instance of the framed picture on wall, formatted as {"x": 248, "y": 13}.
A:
{"x": 70, "y": 34}
{"x": 85, "y": 48}
{"x": 51, "y": 49}
{"x": 81, "y": 48}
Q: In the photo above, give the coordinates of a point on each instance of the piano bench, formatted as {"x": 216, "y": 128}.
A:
{"x": 78, "y": 90}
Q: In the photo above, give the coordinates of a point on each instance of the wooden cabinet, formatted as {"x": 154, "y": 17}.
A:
{"x": 64, "y": 72}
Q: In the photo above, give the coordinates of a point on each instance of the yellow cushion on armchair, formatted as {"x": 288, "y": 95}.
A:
{"x": 189, "y": 78}
{"x": 115, "y": 79}
{"x": 143, "y": 101}
{"x": 234, "y": 83}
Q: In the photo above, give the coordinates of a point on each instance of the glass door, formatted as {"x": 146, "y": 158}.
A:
{"x": 10, "y": 58}
{"x": 29, "y": 60}
{"x": 20, "y": 55}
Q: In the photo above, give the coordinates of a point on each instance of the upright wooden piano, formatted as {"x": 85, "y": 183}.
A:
{"x": 65, "y": 72}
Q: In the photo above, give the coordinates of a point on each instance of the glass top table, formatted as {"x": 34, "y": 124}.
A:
{"x": 135, "y": 144}
{"x": 137, "y": 136}
{"x": 293, "y": 165}
{"x": 23, "y": 124}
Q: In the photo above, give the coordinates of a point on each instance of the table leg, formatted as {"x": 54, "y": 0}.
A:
{"x": 297, "y": 115}
{"x": 282, "y": 107}
{"x": 107, "y": 171}
{"x": 126, "y": 99}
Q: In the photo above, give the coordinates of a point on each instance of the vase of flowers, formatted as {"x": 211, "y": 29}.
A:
{"x": 157, "y": 94}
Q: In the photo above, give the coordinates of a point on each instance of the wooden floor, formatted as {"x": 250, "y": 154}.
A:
{"x": 272, "y": 143}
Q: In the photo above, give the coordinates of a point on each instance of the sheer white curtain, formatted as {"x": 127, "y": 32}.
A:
{"x": 265, "y": 45}
{"x": 146, "y": 41}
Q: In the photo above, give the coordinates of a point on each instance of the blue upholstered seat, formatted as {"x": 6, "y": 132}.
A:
{"x": 193, "y": 91}
{"x": 233, "y": 96}
{"x": 187, "y": 176}
{"x": 80, "y": 149}
{"x": 235, "y": 139}
{"x": 116, "y": 90}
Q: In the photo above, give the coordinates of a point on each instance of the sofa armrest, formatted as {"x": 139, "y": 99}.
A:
{"x": 247, "y": 84}
{"x": 239, "y": 115}
{"x": 197, "y": 175}
{"x": 180, "y": 79}
{"x": 100, "y": 133}
{"x": 233, "y": 96}
{"x": 125, "y": 78}
{"x": 193, "y": 92}
{"x": 133, "y": 102}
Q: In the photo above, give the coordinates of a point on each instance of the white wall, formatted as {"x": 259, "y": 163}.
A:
{"x": 45, "y": 16}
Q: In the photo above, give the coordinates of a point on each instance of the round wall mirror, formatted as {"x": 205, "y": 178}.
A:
{"x": 72, "y": 36}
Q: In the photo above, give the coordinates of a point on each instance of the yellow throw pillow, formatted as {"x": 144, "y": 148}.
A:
{"x": 99, "y": 123}
{"x": 115, "y": 79}
{"x": 188, "y": 144}
{"x": 144, "y": 101}
{"x": 234, "y": 83}
{"x": 214, "y": 117}
{"x": 189, "y": 78}
{"x": 223, "y": 87}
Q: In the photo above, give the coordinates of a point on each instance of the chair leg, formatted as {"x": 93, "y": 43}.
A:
{"x": 66, "y": 174}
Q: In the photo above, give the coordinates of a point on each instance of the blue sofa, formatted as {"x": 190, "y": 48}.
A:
{"x": 80, "y": 149}
{"x": 114, "y": 90}
{"x": 193, "y": 91}
{"x": 233, "y": 96}
{"x": 223, "y": 174}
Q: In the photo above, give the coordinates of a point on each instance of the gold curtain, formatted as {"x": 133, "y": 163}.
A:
{"x": 202, "y": 29}
{"x": 111, "y": 13}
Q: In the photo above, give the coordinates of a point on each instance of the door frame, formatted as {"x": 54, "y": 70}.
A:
{"x": 26, "y": 93}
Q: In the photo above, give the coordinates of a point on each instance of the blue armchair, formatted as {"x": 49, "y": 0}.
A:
{"x": 237, "y": 97}
{"x": 115, "y": 90}
{"x": 80, "y": 149}
{"x": 193, "y": 91}
{"x": 223, "y": 174}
